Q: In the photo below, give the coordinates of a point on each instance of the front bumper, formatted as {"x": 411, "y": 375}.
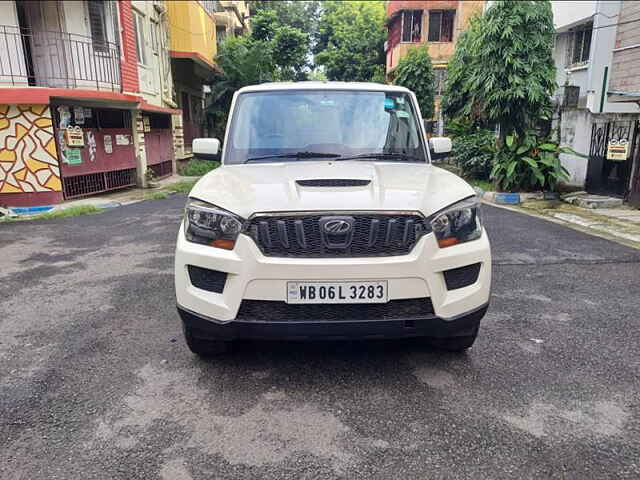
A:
{"x": 253, "y": 276}
{"x": 206, "y": 328}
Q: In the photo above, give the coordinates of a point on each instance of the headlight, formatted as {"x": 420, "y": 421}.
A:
{"x": 209, "y": 225}
{"x": 458, "y": 223}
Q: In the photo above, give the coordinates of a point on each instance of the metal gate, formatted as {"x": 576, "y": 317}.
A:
{"x": 603, "y": 175}
{"x": 634, "y": 191}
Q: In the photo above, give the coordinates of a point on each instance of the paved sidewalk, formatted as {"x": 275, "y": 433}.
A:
{"x": 620, "y": 224}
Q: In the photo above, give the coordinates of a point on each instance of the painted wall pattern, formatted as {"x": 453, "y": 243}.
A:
{"x": 28, "y": 156}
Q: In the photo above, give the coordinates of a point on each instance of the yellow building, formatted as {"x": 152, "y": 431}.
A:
{"x": 193, "y": 47}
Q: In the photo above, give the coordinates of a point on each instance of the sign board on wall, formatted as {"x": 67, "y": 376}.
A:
{"x": 74, "y": 137}
{"x": 108, "y": 144}
{"x": 618, "y": 150}
{"x": 73, "y": 156}
{"x": 78, "y": 115}
{"x": 122, "y": 140}
{"x": 147, "y": 123}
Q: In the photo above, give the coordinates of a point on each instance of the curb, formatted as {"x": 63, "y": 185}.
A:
{"x": 518, "y": 197}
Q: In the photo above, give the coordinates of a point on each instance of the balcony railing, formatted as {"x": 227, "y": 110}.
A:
{"x": 57, "y": 60}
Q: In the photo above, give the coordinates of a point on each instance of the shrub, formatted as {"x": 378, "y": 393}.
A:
{"x": 527, "y": 162}
{"x": 473, "y": 154}
{"x": 197, "y": 168}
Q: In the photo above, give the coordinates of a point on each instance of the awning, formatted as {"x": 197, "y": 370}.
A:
{"x": 147, "y": 107}
{"x": 40, "y": 95}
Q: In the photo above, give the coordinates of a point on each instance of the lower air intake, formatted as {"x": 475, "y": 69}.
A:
{"x": 462, "y": 277}
{"x": 205, "y": 279}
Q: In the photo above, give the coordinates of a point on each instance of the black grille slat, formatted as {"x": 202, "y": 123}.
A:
{"x": 374, "y": 235}
{"x": 276, "y": 311}
{"x": 408, "y": 227}
{"x": 333, "y": 182}
{"x": 300, "y": 234}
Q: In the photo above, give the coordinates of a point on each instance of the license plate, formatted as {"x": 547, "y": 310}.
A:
{"x": 337, "y": 292}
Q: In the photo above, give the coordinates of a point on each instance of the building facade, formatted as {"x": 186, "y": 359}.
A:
{"x": 193, "y": 47}
{"x": 435, "y": 23}
{"x": 624, "y": 86}
{"x": 233, "y": 21}
{"x": 85, "y": 100}
{"x": 589, "y": 120}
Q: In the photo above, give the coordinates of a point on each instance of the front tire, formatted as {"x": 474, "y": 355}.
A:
{"x": 205, "y": 347}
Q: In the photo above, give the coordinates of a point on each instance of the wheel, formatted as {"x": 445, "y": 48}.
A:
{"x": 454, "y": 344}
{"x": 205, "y": 347}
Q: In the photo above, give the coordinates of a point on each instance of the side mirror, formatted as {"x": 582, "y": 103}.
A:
{"x": 206, "y": 148}
{"x": 439, "y": 147}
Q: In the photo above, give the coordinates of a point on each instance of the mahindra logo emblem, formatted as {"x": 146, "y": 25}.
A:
{"x": 337, "y": 226}
{"x": 337, "y": 232}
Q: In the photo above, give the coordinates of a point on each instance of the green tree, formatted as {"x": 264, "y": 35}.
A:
{"x": 350, "y": 40}
{"x": 243, "y": 61}
{"x": 288, "y": 28}
{"x": 415, "y": 72}
{"x": 503, "y": 71}
{"x": 290, "y": 51}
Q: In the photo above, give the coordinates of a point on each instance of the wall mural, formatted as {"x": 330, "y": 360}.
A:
{"x": 28, "y": 157}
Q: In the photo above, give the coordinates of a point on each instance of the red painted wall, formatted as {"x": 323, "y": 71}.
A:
{"x": 121, "y": 156}
{"x": 129, "y": 57}
{"x": 159, "y": 145}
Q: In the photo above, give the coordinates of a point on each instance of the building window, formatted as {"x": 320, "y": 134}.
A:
{"x": 138, "y": 26}
{"x": 440, "y": 75}
{"x": 221, "y": 33}
{"x": 155, "y": 37}
{"x": 411, "y": 26}
{"x": 441, "y": 25}
{"x": 211, "y": 6}
{"x": 579, "y": 45}
{"x": 98, "y": 25}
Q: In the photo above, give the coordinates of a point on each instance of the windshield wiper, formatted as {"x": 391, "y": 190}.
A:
{"x": 294, "y": 155}
{"x": 383, "y": 156}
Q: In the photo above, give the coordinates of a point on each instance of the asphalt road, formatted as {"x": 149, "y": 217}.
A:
{"x": 96, "y": 382}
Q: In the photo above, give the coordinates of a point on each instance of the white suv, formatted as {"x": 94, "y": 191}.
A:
{"x": 327, "y": 220}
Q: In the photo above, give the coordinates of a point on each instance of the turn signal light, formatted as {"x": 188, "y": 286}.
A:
{"x": 226, "y": 244}
{"x": 448, "y": 242}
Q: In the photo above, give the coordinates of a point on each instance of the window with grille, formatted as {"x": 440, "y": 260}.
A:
{"x": 580, "y": 45}
{"x": 441, "y": 25}
{"x": 98, "y": 24}
{"x": 211, "y": 6}
{"x": 411, "y": 26}
{"x": 138, "y": 26}
{"x": 155, "y": 37}
{"x": 440, "y": 75}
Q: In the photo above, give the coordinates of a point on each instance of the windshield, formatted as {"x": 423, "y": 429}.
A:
{"x": 342, "y": 123}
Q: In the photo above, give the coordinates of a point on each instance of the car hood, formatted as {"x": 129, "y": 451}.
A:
{"x": 274, "y": 187}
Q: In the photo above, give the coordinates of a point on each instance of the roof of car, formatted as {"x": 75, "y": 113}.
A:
{"x": 364, "y": 86}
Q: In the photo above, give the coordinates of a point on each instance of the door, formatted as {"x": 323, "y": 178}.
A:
{"x": 47, "y": 42}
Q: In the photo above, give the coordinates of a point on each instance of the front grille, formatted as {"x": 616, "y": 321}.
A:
{"x": 461, "y": 277}
{"x": 274, "y": 311}
{"x": 374, "y": 235}
{"x": 333, "y": 182}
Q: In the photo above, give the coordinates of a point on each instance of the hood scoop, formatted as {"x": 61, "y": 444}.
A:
{"x": 333, "y": 182}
